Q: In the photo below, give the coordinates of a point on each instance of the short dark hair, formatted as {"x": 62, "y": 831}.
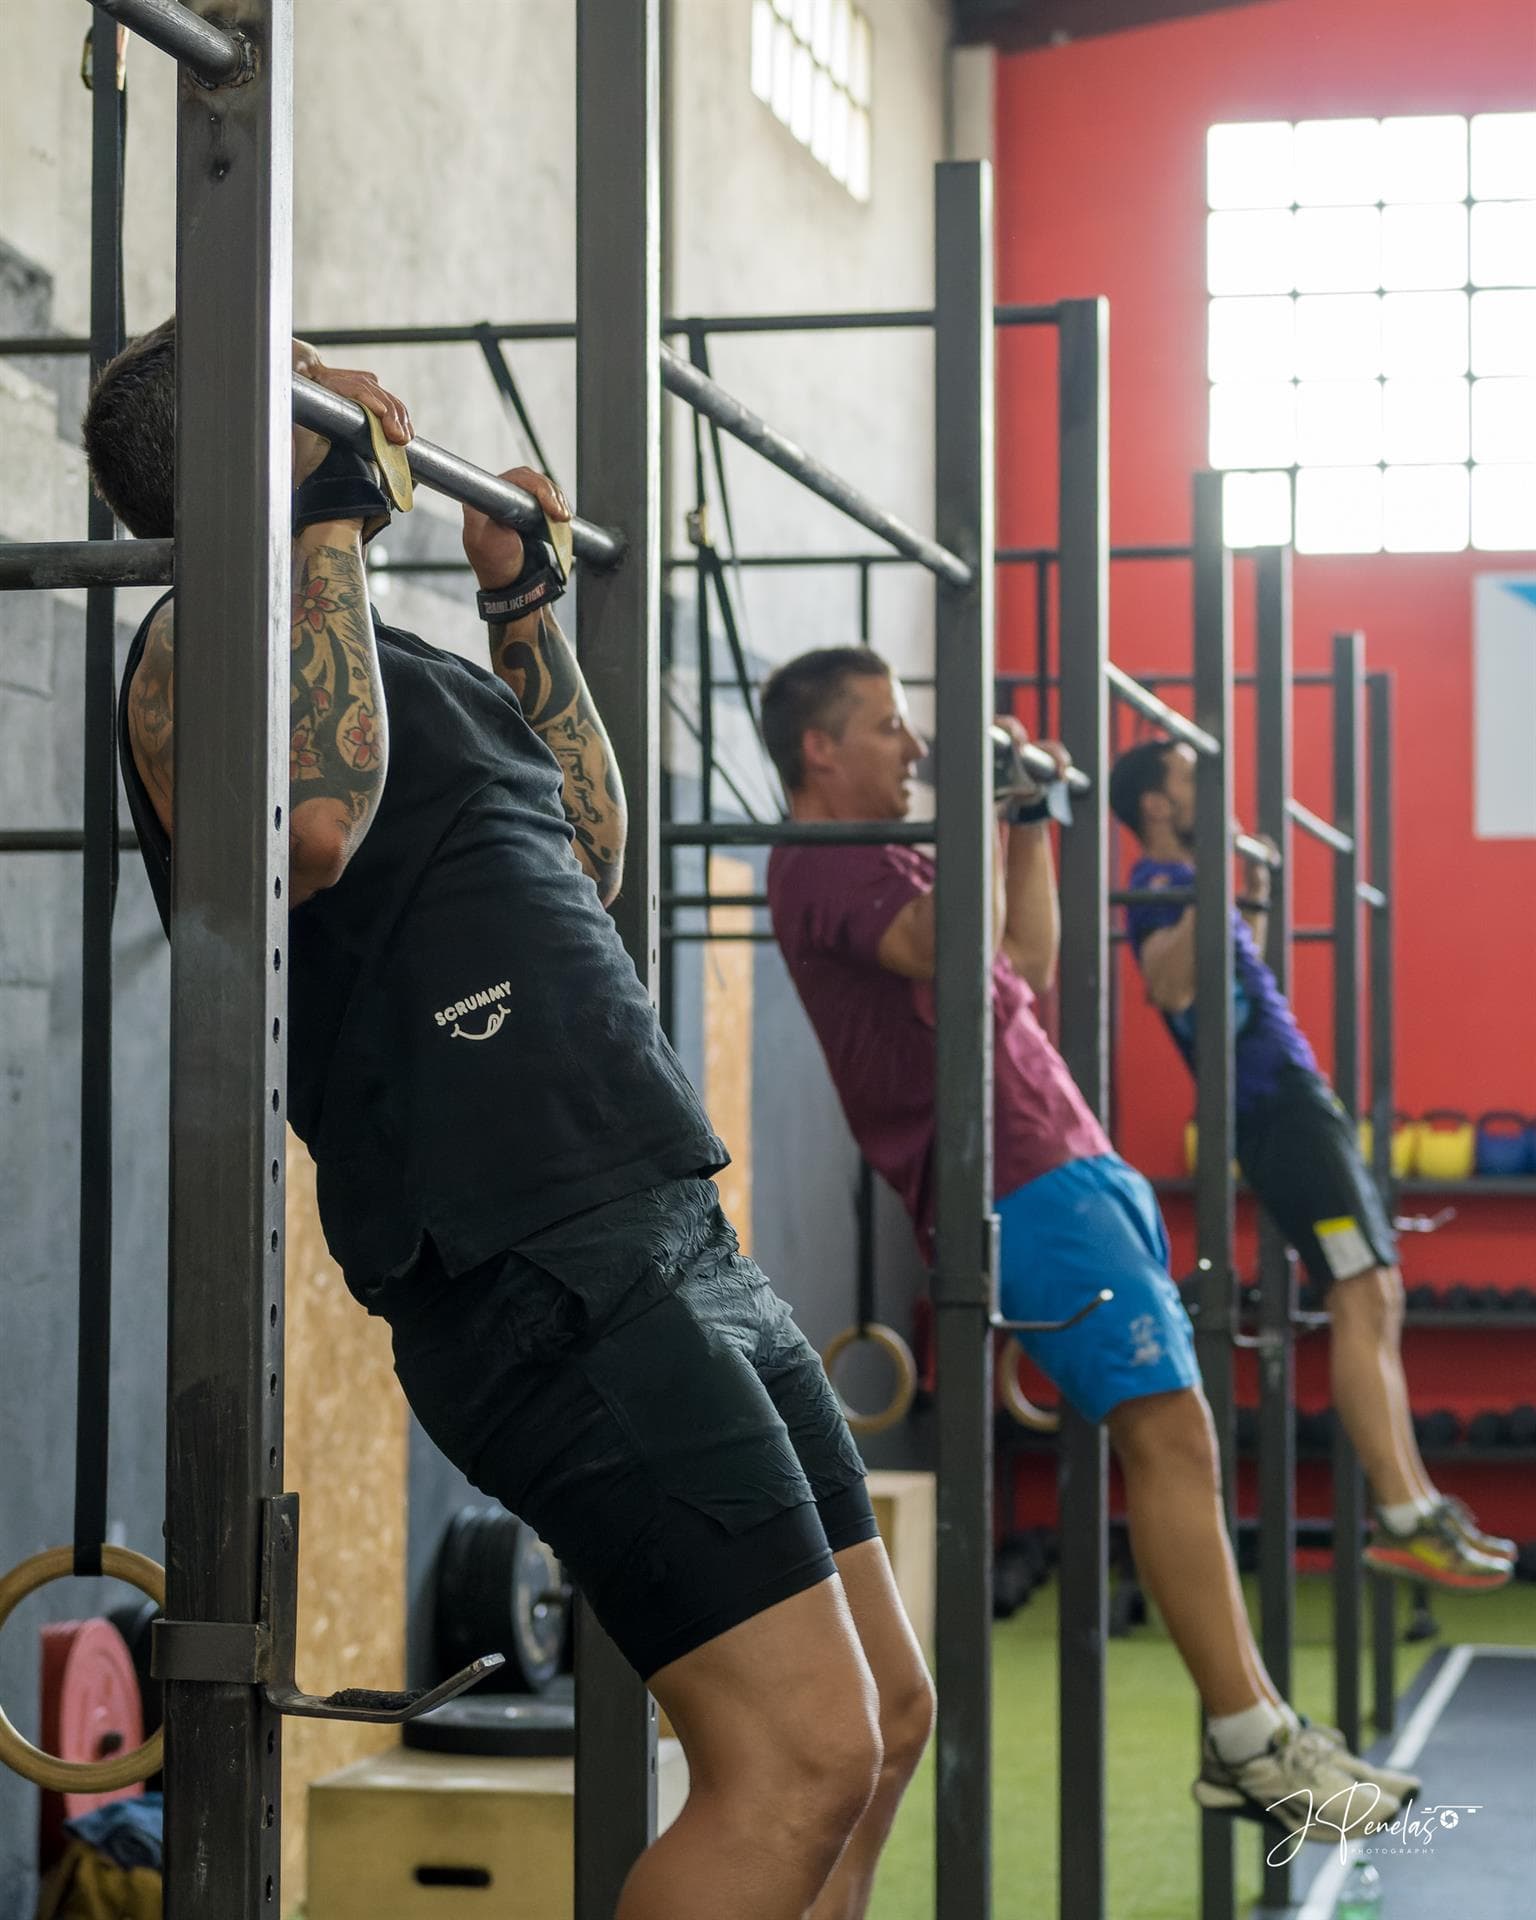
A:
{"x": 129, "y": 434}
{"x": 1140, "y": 770}
{"x": 811, "y": 691}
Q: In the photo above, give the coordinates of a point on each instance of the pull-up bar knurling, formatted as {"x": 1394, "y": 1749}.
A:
{"x": 727, "y": 412}
{"x": 325, "y": 412}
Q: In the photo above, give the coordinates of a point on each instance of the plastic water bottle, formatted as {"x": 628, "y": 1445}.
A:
{"x": 1360, "y": 1896}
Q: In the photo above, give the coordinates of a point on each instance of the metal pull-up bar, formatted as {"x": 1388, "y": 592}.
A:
{"x": 214, "y": 56}
{"x": 680, "y": 377}
{"x": 325, "y": 412}
{"x": 1134, "y": 694}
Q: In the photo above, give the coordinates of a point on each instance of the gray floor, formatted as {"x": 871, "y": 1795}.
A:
{"x": 1469, "y": 1850}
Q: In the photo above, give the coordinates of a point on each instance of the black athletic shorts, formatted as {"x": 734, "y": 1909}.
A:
{"x": 629, "y": 1384}
{"x": 1300, "y": 1154}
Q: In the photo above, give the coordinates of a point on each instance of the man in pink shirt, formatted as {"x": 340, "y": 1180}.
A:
{"x": 856, "y": 925}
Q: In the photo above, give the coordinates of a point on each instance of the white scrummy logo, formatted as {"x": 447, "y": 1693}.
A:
{"x": 491, "y": 997}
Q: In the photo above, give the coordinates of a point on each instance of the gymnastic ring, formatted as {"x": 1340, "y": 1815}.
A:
{"x": 903, "y": 1366}
{"x": 47, "y": 1769}
{"x": 1015, "y": 1399}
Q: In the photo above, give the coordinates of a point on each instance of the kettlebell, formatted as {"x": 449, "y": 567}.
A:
{"x": 1504, "y": 1144}
{"x": 1447, "y": 1145}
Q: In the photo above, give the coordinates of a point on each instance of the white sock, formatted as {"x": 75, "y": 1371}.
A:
{"x": 1240, "y": 1736}
{"x": 1408, "y": 1517}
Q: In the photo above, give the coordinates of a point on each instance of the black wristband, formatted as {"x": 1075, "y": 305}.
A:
{"x": 343, "y": 487}
{"x": 540, "y": 582}
{"x": 1028, "y": 813}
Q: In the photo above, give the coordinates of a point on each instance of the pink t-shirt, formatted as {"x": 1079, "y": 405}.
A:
{"x": 831, "y": 907}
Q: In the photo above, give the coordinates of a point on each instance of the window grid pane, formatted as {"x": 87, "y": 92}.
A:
{"x": 1372, "y": 342}
{"x": 812, "y": 64}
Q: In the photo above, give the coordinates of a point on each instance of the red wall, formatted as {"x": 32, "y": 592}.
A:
{"x": 1100, "y": 190}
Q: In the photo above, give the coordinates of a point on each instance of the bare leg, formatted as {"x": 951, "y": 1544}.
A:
{"x": 1370, "y": 1394}
{"x": 906, "y": 1720}
{"x": 778, "y": 1720}
{"x": 1167, "y": 1451}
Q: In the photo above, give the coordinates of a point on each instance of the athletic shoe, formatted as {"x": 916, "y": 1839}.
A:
{"x": 1297, "y": 1784}
{"x": 1403, "y": 1787}
{"x": 1437, "y": 1552}
{"x": 1493, "y": 1544}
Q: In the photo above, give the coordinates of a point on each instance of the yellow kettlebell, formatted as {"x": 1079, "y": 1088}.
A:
{"x": 1446, "y": 1148}
{"x": 1405, "y": 1140}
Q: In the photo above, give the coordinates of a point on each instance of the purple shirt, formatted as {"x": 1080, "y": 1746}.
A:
{"x": 1268, "y": 1039}
{"x": 831, "y": 907}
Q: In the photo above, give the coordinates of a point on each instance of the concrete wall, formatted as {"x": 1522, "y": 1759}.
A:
{"x": 418, "y": 200}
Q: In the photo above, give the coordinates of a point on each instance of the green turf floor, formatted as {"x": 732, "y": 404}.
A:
{"x": 1152, "y": 1826}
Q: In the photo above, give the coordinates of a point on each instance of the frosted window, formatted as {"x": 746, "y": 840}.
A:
{"x": 1338, "y": 163}
{"x": 1504, "y": 333}
{"x": 783, "y": 72}
{"x": 1504, "y": 420}
{"x": 1504, "y": 508}
{"x": 1338, "y": 422}
{"x": 800, "y": 104}
{"x": 858, "y": 153}
{"x": 1250, "y": 166}
{"x": 1424, "y": 509}
{"x": 1424, "y": 247}
{"x": 821, "y": 117}
{"x": 1252, "y": 339}
{"x": 1256, "y": 509}
{"x": 762, "y": 49}
{"x": 1250, "y": 253}
{"x": 1253, "y": 424}
{"x": 1338, "y": 510}
{"x": 860, "y": 62}
{"x": 1372, "y": 330}
{"x": 837, "y": 162}
{"x": 1424, "y": 333}
{"x": 1504, "y": 244}
{"x": 1338, "y": 336}
{"x": 1504, "y": 156}
{"x": 1424, "y": 420}
{"x": 811, "y": 63}
{"x": 1338, "y": 249}
{"x": 842, "y": 15}
{"x": 821, "y": 32}
{"x": 1424, "y": 157}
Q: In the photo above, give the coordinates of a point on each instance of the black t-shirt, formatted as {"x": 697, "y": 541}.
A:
{"x": 470, "y": 1052}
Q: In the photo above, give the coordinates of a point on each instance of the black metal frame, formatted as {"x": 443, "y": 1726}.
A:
{"x": 225, "y": 1362}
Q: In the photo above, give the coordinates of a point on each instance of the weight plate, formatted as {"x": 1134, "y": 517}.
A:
{"x": 90, "y": 1711}
{"x": 499, "y": 1590}
{"x": 501, "y": 1724}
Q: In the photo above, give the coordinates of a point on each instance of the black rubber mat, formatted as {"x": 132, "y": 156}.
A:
{"x": 1467, "y": 1850}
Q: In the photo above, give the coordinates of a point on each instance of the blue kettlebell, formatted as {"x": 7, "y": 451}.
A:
{"x": 1504, "y": 1141}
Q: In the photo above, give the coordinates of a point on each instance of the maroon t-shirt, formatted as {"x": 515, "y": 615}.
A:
{"x": 831, "y": 907}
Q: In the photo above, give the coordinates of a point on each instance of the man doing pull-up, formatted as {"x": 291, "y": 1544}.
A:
{"x": 857, "y": 927}
{"x": 515, "y": 1173}
{"x": 1299, "y": 1154}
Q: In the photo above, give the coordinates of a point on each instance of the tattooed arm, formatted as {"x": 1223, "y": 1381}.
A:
{"x": 538, "y": 663}
{"x": 338, "y": 735}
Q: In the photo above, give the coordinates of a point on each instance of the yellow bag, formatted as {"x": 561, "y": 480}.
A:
{"x": 85, "y": 1885}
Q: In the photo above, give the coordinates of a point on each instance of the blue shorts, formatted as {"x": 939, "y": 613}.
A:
{"x": 1087, "y": 1225}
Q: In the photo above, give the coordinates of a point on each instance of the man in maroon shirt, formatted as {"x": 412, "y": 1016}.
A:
{"x": 857, "y": 929}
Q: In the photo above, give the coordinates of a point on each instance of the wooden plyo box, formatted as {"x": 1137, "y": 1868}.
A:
{"x": 907, "y": 1516}
{"x": 409, "y": 1835}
